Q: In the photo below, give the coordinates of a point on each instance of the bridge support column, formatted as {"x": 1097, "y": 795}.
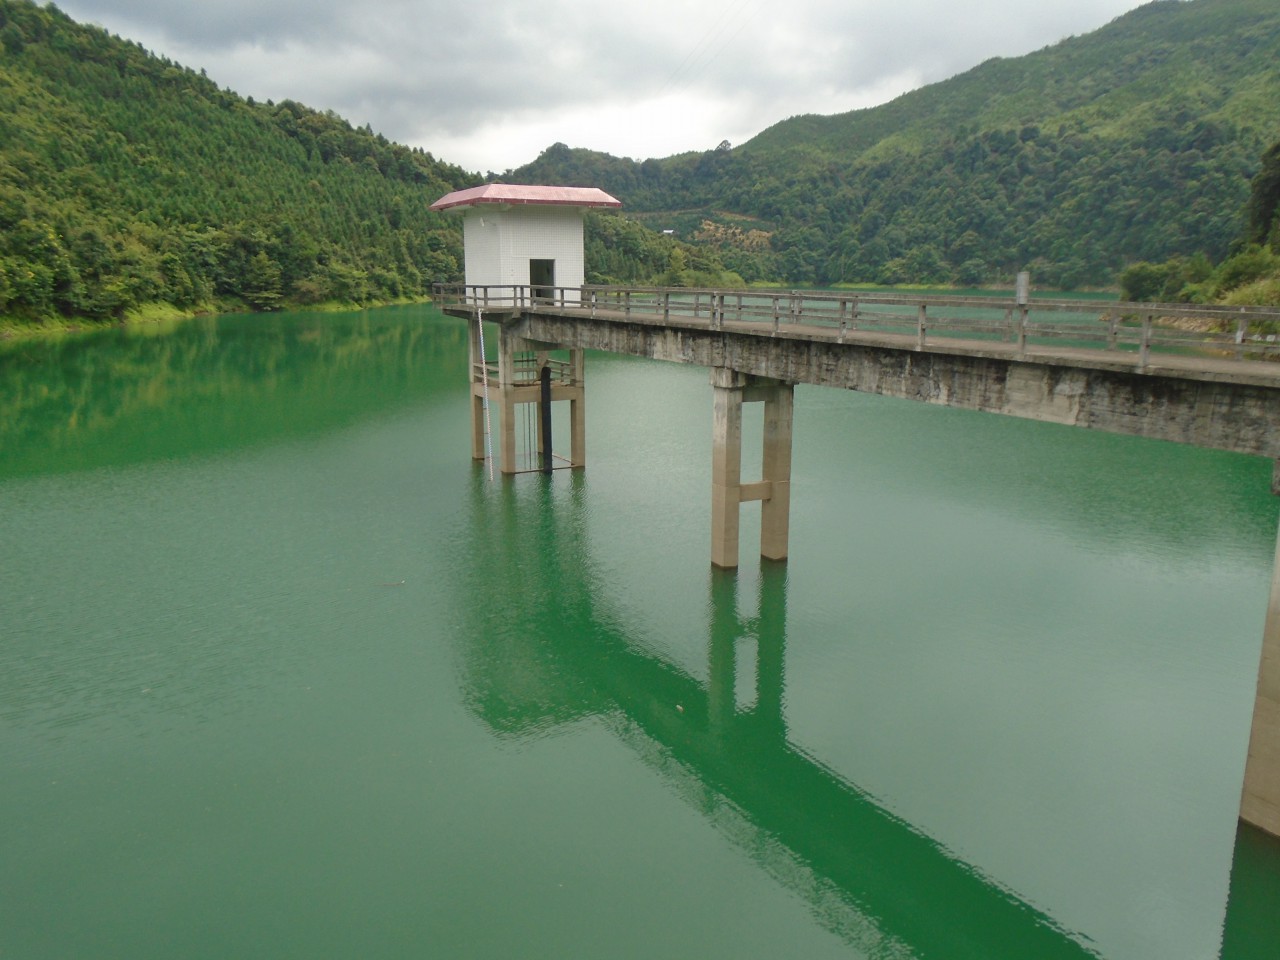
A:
{"x": 508, "y": 346}
{"x": 1260, "y": 798}
{"x": 517, "y": 379}
{"x": 478, "y": 376}
{"x": 728, "y": 492}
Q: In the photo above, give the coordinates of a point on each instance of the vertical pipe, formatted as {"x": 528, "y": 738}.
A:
{"x": 544, "y": 425}
{"x": 578, "y": 409}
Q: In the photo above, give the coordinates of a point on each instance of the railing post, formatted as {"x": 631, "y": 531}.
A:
{"x": 1113, "y": 327}
{"x": 666, "y": 306}
{"x": 1144, "y": 349}
{"x": 626, "y": 310}
{"x": 1242, "y": 332}
{"x": 1022, "y": 296}
{"x": 920, "y": 328}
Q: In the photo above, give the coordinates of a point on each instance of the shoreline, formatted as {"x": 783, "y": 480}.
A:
{"x": 12, "y": 330}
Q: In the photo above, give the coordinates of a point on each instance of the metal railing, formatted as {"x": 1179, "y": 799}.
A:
{"x": 1243, "y": 333}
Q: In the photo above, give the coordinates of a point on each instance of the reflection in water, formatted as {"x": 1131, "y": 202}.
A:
{"x": 1253, "y": 909}
{"x": 127, "y": 395}
{"x": 543, "y": 654}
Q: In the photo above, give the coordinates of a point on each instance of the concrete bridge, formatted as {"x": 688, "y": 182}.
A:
{"x": 1208, "y": 376}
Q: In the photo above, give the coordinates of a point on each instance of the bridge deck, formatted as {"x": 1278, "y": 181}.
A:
{"x": 1207, "y": 342}
{"x": 1216, "y": 365}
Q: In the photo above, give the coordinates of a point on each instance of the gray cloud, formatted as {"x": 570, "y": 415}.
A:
{"x": 490, "y": 86}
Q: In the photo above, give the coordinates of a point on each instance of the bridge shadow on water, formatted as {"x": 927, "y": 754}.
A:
{"x": 547, "y": 651}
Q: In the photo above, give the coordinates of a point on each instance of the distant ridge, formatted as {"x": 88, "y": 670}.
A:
{"x": 1134, "y": 142}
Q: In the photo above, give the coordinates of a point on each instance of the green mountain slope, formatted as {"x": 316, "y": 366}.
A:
{"x": 1134, "y": 142}
{"x": 126, "y": 179}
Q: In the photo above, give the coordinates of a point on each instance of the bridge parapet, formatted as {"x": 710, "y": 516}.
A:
{"x": 1209, "y": 330}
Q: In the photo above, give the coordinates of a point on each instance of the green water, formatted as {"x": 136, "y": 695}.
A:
{"x": 283, "y": 674}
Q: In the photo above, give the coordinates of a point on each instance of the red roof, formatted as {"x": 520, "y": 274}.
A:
{"x": 511, "y": 193}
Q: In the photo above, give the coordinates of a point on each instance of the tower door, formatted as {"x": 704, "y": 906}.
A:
{"x": 542, "y": 278}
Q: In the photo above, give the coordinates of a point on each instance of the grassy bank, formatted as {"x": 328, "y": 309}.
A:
{"x": 13, "y": 328}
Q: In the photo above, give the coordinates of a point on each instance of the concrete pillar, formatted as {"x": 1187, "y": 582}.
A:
{"x": 477, "y": 392}
{"x": 507, "y": 433}
{"x": 507, "y": 346}
{"x": 477, "y": 424}
{"x": 726, "y": 464}
{"x": 775, "y": 516}
{"x": 1260, "y": 798}
{"x": 728, "y": 492}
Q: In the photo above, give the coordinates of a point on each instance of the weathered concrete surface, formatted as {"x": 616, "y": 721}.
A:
{"x": 730, "y": 391}
{"x": 1260, "y": 797}
{"x": 1220, "y": 404}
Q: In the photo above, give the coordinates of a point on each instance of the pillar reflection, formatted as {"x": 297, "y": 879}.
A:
{"x": 548, "y": 651}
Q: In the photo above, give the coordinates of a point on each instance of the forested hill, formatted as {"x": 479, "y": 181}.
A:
{"x": 126, "y": 179}
{"x": 1134, "y": 142}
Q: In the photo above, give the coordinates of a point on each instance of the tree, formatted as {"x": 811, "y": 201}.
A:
{"x": 1264, "y": 201}
{"x": 262, "y": 282}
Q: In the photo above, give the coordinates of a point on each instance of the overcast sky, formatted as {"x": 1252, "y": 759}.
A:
{"x": 490, "y": 84}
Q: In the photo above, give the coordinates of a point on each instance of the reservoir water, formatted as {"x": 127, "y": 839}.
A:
{"x": 284, "y": 674}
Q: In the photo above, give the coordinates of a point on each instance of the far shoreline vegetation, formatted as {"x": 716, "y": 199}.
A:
{"x": 159, "y": 313}
{"x": 135, "y": 191}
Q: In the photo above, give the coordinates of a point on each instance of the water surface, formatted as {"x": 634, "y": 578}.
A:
{"x": 282, "y": 673}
